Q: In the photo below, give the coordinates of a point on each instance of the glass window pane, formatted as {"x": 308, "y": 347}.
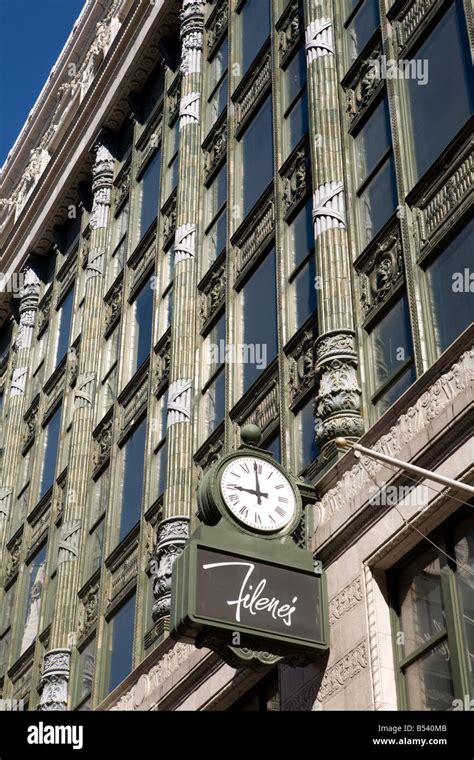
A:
{"x": 306, "y": 447}
{"x": 96, "y": 548}
{"x": 394, "y": 392}
{"x": 35, "y": 578}
{"x": 373, "y": 140}
{"x": 260, "y": 320}
{"x": 121, "y": 643}
{"x": 216, "y": 194}
{"x": 216, "y": 237}
{"x": 391, "y": 342}
{"x": 132, "y": 486}
{"x": 451, "y": 289}
{"x": 378, "y": 201}
{"x": 257, "y": 156}
{"x": 142, "y": 322}
{"x": 51, "y": 440}
{"x": 149, "y": 193}
{"x": 153, "y": 92}
{"x": 464, "y": 553}
{"x": 304, "y": 293}
{"x": 429, "y": 681}
{"x": 301, "y": 235}
{"x": 362, "y": 26}
{"x": 64, "y": 326}
{"x": 443, "y": 103}
{"x": 274, "y": 447}
{"x": 420, "y": 600}
{"x": 214, "y": 400}
{"x": 86, "y": 666}
{"x": 255, "y": 16}
{"x": 296, "y": 124}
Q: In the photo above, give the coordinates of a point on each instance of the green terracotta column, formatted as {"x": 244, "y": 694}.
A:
{"x": 17, "y": 397}
{"x": 338, "y": 399}
{"x": 55, "y": 675}
{"x": 178, "y": 497}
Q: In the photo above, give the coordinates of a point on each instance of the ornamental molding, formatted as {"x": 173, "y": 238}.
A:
{"x": 216, "y": 26}
{"x": 44, "y": 310}
{"x": 122, "y": 186}
{"x": 134, "y": 405}
{"x": 54, "y": 680}
{"x": 168, "y": 214}
{"x": 412, "y": 18}
{"x": 210, "y": 452}
{"x": 141, "y": 263}
{"x": 189, "y": 110}
{"x": 266, "y": 410}
{"x": 249, "y": 97}
{"x": 301, "y": 366}
{"x": 172, "y": 534}
{"x": 18, "y": 383}
{"x": 5, "y": 500}
{"x": 381, "y": 274}
{"x": 212, "y": 294}
{"x": 68, "y": 547}
{"x": 339, "y": 675}
{"x": 14, "y": 553}
{"x": 319, "y": 39}
{"x": 296, "y": 178}
{"x": 95, "y": 263}
{"x": 39, "y": 527}
{"x": 365, "y": 84}
{"x": 345, "y": 600}
{"x": 103, "y": 443}
{"x": 329, "y": 210}
{"x": 29, "y": 299}
{"x": 185, "y": 242}
{"x": 113, "y": 307}
{"x": 161, "y": 373}
{"x": 124, "y": 574}
{"x": 429, "y": 406}
{"x": 444, "y": 203}
{"x": 88, "y": 611}
{"x": 250, "y": 242}
{"x": 290, "y": 30}
{"x": 152, "y": 682}
{"x": 174, "y": 99}
{"x": 179, "y": 401}
{"x": 85, "y": 390}
{"x": 215, "y": 149}
{"x": 31, "y": 425}
{"x": 152, "y": 144}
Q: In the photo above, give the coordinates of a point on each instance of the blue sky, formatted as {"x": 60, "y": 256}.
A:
{"x": 32, "y": 34}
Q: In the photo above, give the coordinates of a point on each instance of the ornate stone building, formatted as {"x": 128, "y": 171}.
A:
{"x": 227, "y": 212}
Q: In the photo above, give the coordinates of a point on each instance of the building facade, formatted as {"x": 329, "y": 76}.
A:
{"x": 231, "y": 212}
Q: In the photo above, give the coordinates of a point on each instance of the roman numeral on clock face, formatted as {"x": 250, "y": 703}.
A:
{"x": 244, "y": 512}
{"x": 245, "y": 467}
{"x": 280, "y": 511}
{"x": 283, "y": 500}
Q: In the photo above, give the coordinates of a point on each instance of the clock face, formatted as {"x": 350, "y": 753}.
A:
{"x": 257, "y": 494}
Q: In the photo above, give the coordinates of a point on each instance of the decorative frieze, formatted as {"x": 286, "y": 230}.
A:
{"x": 429, "y": 406}
{"x": 88, "y": 611}
{"x": 443, "y": 204}
{"x": 122, "y": 186}
{"x": 212, "y": 294}
{"x": 290, "y": 30}
{"x": 344, "y": 601}
{"x": 113, "y": 306}
{"x": 319, "y": 39}
{"x": 252, "y": 94}
{"x": 179, "y": 402}
{"x": 172, "y": 535}
{"x": 135, "y": 405}
{"x": 365, "y": 85}
{"x": 44, "y": 309}
{"x": 215, "y": 149}
{"x": 141, "y": 265}
{"x": 14, "y": 552}
{"x": 343, "y": 672}
{"x": 31, "y": 422}
{"x": 189, "y": 110}
{"x": 301, "y": 366}
{"x": 39, "y": 528}
{"x": 161, "y": 372}
{"x": 103, "y": 443}
{"x": 413, "y": 16}
{"x": 216, "y": 26}
{"x": 265, "y": 411}
{"x": 381, "y": 273}
{"x": 329, "y": 208}
{"x": 124, "y": 574}
{"x": 249, "y": 244}
{"x": 296, "y": 180}
{"x": 54, "y": 393}
{"x": 185, "y": 242}
{"x": 68, "y": 547}
{"x": 54, "y": 680}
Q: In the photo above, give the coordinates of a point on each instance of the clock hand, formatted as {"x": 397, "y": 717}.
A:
{"x": 249, "y": 490}
{"x": 258, "y": 492}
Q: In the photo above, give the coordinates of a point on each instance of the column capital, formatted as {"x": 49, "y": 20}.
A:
{"x": 54, "y": 680}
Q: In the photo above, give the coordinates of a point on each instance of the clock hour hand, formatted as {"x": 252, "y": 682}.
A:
{"x": 248, "y": 490}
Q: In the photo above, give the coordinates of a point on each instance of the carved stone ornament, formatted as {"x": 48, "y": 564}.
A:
{"x": 172, "y": 535}
{"x": 217, "y": 25}
{"x": 29, "y": 297}
{"x": 185, "y": 243}
{"x": 215, "y": 149}
{"x": 329, "y": 208}
{"x": 290, "y": 31}
{"x": 18, "y": 382}
{"x": 301, "y": 366}
{"x": 297, "y": 180}
{"x": 84, "y": 392}
{"x": 103, "y": 444}
{"x": 88, "y": 611}
{"x": 95, "y": 263}
{"x": 319, "y": 39}
{"x": 14, "y": 557}
{"x": 179, "y": 401}
{"x": 192, "y": 33}
{"x": 5, "y": 498}
{"x": 189, "y": 109}
{"x": 382, "y": 273}
{"x": 368, "y": 80}
{"x": 68, "y": 547}
{"x": 54, "y": 680}
{"x": 162, "y": 367}
{"x": 213, "y": 294}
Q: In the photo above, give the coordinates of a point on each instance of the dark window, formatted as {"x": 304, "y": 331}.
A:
{"x": 255, "y": 29}
{"x": 306, "y": 446}
{"x": 149, "y": 193}
{"x": 121, "y": 643}
{"x": 160, "y": 450}
{"x": 85, "y": 675}
{"x": 361, "y": 25}
{"x": 260, "y": 320}
{"x": 51, "y": 441}
{"x": 153, "y": 92}
{"x": 377, "y": 189}
{"x": 452, "y": 287}
{"x": 64, "y": 326}
{"x": 218, "y": 83}
{"x": 142, "y": 322}
{"x": 35, "y": 578}
{"x": 216, "y": 216}
{"x": 214, "y": 389}
{"x": 295, "y": 102}
{"x": 392, "y": 355}
{"x": 273, "y": 446}
{"x": 132, "y": 486}
{"x": 257, "y": 156}
{"x": 441, "y": 105}
{"x": 302, "y": 277}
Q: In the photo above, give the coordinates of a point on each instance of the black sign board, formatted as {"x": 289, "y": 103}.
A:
{"x": 247, "y": 593}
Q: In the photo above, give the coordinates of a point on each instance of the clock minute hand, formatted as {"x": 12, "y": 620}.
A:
{"x": 249, "y": 490}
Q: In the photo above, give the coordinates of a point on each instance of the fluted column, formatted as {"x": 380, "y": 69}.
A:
{"x": 338, "y": 400}
{"x": 173, "y": 531}
{"x": 28, "y": 307}
{"x": 56, "y": 662}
